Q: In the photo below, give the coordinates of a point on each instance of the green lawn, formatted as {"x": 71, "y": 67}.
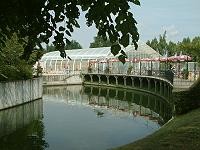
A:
{"x": 182, "y": 133}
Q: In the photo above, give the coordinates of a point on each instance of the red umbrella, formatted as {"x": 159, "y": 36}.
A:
{"x": 180, "y": 58}
{"x": 135, "y": 60}
{"x": 146, "y": 59}
{"x": 163, "y": 59}
{"x": 156, "y": 59}
{"x": 173, "y": 58}
{"x": 185, "y": 58}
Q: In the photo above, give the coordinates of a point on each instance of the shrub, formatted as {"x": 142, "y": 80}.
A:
{"x": 187, "y": 100}
{"x": 11, "y": 66}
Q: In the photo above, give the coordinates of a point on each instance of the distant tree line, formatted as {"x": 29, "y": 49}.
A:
{"x": 100, "y": 42}
{"x": 72, "y": 45}
{"x": 188, "y": 46}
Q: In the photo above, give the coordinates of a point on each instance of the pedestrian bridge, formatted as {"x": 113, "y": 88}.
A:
{"x": 155, "y": 85}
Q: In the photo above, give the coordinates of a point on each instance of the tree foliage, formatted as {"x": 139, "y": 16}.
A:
{"x": 11, "y": 66}
{"x": 100, "y": 42}
{"x": 188, "y": 46}
{"x": 191, "y": 47}
{"x": 160, "y": 45}
{"x": 72, "y": 45}
{"x": 38, "y": 20}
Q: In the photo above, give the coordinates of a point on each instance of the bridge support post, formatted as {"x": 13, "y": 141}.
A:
{"x": 165, "y": 90}
{"x": 148, "y": 104}
{"x": 133, "y": 96}
{"x": 155, "y": 104}
{"x": 107, "y": 79}
{"x": 132, "y": 78}
{"x": 116, "y": 94}
{"x": 155, "y": 84}
{"x": 168, "y": 91}
{"x": 91, "y": 79}
{"x": 91, "y": 90}
{"x": 149, "y": 84}
{"x": 99, "y": 76}
{"x": 160, "y": 88}
{"x": 107, "y": 92}
{"x": 124, "y": 80}
{"x": 140, "y": 103}
{"x": 116, "y": 80}
{"x": 99, "y": 93}
{"x": 141, "y": 85}
{"x": 124, "y": 98}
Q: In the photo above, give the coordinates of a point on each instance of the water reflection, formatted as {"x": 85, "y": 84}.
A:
{"x": 116, "y": 100}
{"x": 82, "y": 118}
{"x": 135, "y": 102}
{"x": 78, "y": 118}
{"x": 21, "y": 127}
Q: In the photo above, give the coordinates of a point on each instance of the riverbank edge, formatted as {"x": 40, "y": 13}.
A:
{"x": 181, "y": 132}
{"x": 15, "y": 93}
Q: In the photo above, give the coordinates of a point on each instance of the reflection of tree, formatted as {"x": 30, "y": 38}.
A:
{"x": 31, "y": 137}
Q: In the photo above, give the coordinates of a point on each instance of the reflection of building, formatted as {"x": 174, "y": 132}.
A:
{"x": 96, "y": 59}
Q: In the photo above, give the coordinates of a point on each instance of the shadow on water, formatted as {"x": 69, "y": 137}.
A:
{"x": 21, "y": 127}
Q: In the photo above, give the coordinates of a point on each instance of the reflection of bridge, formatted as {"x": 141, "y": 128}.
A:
{"x": 115, "y": 100}
{"x": 128, "y": 100}
{"x": 155, "y": 85}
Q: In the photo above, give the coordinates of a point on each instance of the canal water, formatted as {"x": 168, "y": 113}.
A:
{"x": 82, "y": 118}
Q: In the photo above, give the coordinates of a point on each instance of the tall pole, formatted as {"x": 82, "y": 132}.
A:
{"x": 98, "y": 64}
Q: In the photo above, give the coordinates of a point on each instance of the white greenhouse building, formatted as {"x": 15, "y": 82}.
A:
{"x": 99, "y": 60}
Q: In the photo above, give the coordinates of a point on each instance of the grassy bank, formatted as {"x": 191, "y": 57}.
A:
{"x": 182, "y": 133}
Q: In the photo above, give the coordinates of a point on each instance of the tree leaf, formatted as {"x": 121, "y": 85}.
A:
{"x": 115, "y": 49}
{"x": 125, "y": 40}
{"x": 137, "y": 2}
{"x": 122, "y": 58}
{"x": 61, "y": 28}
{"x": 68, "y": 33}
{"x": 123, "y": 53}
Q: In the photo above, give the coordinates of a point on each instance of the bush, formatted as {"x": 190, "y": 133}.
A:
{"x": 11, "y": 66}
{"x": 19, "y": 72}
{"x": 186, "y": 101}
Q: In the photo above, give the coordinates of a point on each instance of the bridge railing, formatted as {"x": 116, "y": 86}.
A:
{"x": 166, "y": 74}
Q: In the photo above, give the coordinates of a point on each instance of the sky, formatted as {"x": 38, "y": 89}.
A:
{"x": 180, "y": 18}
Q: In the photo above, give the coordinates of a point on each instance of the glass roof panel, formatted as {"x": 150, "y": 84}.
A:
{"x": 102, "y": 52}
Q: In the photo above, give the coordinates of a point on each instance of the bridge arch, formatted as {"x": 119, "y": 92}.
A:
{"x": 155, "y": 85}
